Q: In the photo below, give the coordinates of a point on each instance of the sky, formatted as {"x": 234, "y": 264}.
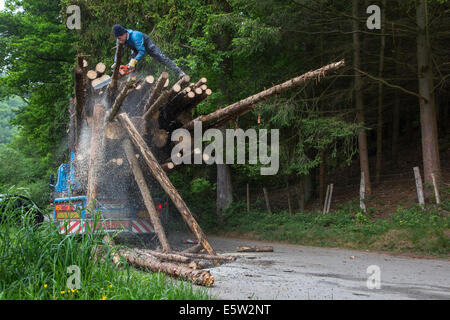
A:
{"x": 2, "y": 4}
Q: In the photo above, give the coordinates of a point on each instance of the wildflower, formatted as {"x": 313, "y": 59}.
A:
{"x": 45, "y": 286}
{"x": 103, "y": 298}
{"x": 110, "y": 286}
{"x": 62, "y": 292}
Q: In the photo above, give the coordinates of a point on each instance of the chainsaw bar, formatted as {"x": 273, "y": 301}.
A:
{"x": 124, "y": 71}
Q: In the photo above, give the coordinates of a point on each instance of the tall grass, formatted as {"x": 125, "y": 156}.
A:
{"x": 34, "y": 265}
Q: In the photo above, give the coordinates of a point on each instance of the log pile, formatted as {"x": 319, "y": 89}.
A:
{"x": 129, "y": 124}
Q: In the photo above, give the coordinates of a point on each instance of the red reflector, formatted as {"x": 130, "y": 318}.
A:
{"x": 159, "y": 207}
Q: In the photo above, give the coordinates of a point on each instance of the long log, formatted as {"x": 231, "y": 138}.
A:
{"x": 80, "y": 97}
{"x": 112, "y": 87}
{"x": 165, "y": 256}
{"x": 96, "y": 153}
{"x": 199, "y": 277}
{"x": 146, "y": 195}
{"x": 156, "y": 92}
{"x": 206, "y": 256}
{"x": 254, "y": 249}
{"x": 120, "y": 98}
{"x": 164, "y": 181}
{"x": 245, "y": 105}
{"x": 162, "y": 100}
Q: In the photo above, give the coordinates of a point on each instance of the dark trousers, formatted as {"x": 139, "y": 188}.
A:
{"x": 156, "y": 53}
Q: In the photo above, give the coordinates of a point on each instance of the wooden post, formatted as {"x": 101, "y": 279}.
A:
{"x": 329, "y": 198}
{"x": 96, "y": 153}
{"x": 146, "y": 195}
{"x": 248, "y": 197}
{"x": 436, "y": 190}
{"x": 266, "y": 197}
{"x": 362, "y": 193}
{"x": 419, "y": 187}
{"x": 164, "y": 181}
{"x": 325, "y": 203}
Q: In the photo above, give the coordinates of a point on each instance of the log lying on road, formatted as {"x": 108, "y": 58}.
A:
{"x": 245, "y": 105}
{"x": 206, "y": 256}
{"x": 165, "y": 256}
{"x": 255, "y": 249}
{"x": 199, "y": 277}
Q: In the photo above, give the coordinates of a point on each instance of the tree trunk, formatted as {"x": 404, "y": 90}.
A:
{"x": 164, "y": 181}
{"x": 430, "y": 147}
{"x": 224, "y": 189}
{"x": 379, "y": 160}
{"x": 362, "y": 137}
{"x": 322, "y": 179}
{"x": 96, "y": 153}
{"x": 146, "y": 195}
{"x": 254, "y": 249}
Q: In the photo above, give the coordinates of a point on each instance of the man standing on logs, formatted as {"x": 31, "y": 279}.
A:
{"x": 141, "y": 43}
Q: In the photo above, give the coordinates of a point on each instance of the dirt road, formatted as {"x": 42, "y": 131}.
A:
{"x": 297, "y": 272}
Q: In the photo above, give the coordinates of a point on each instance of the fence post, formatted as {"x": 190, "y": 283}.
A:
{"x": 248, "y": 197}
{"x": 419, "y": 186}
{"x": 329, "y": 198}
{"x": 436, "y": 190}
{"x": 325, "y": 203}
{"x": 362, "y": 193}
{"x": 266, "y": 197}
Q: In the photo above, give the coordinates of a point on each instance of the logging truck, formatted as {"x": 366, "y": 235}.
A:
{"x": 71, "y": 216}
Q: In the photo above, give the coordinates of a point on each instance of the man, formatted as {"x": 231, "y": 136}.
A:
{"x": 141, "y": 43}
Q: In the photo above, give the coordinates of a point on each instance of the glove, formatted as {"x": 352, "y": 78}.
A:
{"x": 133, "y": 63}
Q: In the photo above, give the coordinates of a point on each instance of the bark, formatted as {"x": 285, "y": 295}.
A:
{"x": 162, "y": 100}
{"x": 80, "y": 97}
{"x": 289, "y": 198}
{"x": 195, "y": 249}
{"x": 245, "y": 105}
{"x": 224, "y": 189}
{"x": 126, "y": 89}
{"x": 173, "y": 257}
{"x": 146, "y": 195}
{"x": 266, "y": 197}
{"x": 112, "y": 87}
{"x": 430, "y": 146}
{"x": 199, "y": 277}
{"x": 156, "y": 92}
{"x": 207, "y": 257}
{"x": 164, "y": 181}
{"x": 254, "y": 249}
{"x": 362, "y": 136}
{"x": 96, "y": 153}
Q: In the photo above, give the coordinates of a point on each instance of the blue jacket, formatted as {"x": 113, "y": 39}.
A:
{"x": 136, "y": 43}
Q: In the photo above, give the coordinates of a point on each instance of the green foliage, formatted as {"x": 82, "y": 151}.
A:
{"x": 8, "y": 108}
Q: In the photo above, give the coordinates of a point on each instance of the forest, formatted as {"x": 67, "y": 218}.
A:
{"x": 371, "y": 122}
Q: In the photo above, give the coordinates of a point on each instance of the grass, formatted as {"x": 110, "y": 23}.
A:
{"x": 408, "y": 230}
{"x": 34, "y": 265}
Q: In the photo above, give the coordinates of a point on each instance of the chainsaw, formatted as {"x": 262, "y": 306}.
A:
{"x": 124, "y": 70}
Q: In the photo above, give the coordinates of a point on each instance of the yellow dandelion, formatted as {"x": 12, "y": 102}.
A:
{"x": 72, "y": 290}
{"x": 62, "y": 292}
{"x": 45, "y": 285}
{"x": 110, "y": 286}
{"x": 103, "y": 298}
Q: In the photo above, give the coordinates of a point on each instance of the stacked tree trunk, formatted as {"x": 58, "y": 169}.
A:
{"x": 135, "y": 117}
